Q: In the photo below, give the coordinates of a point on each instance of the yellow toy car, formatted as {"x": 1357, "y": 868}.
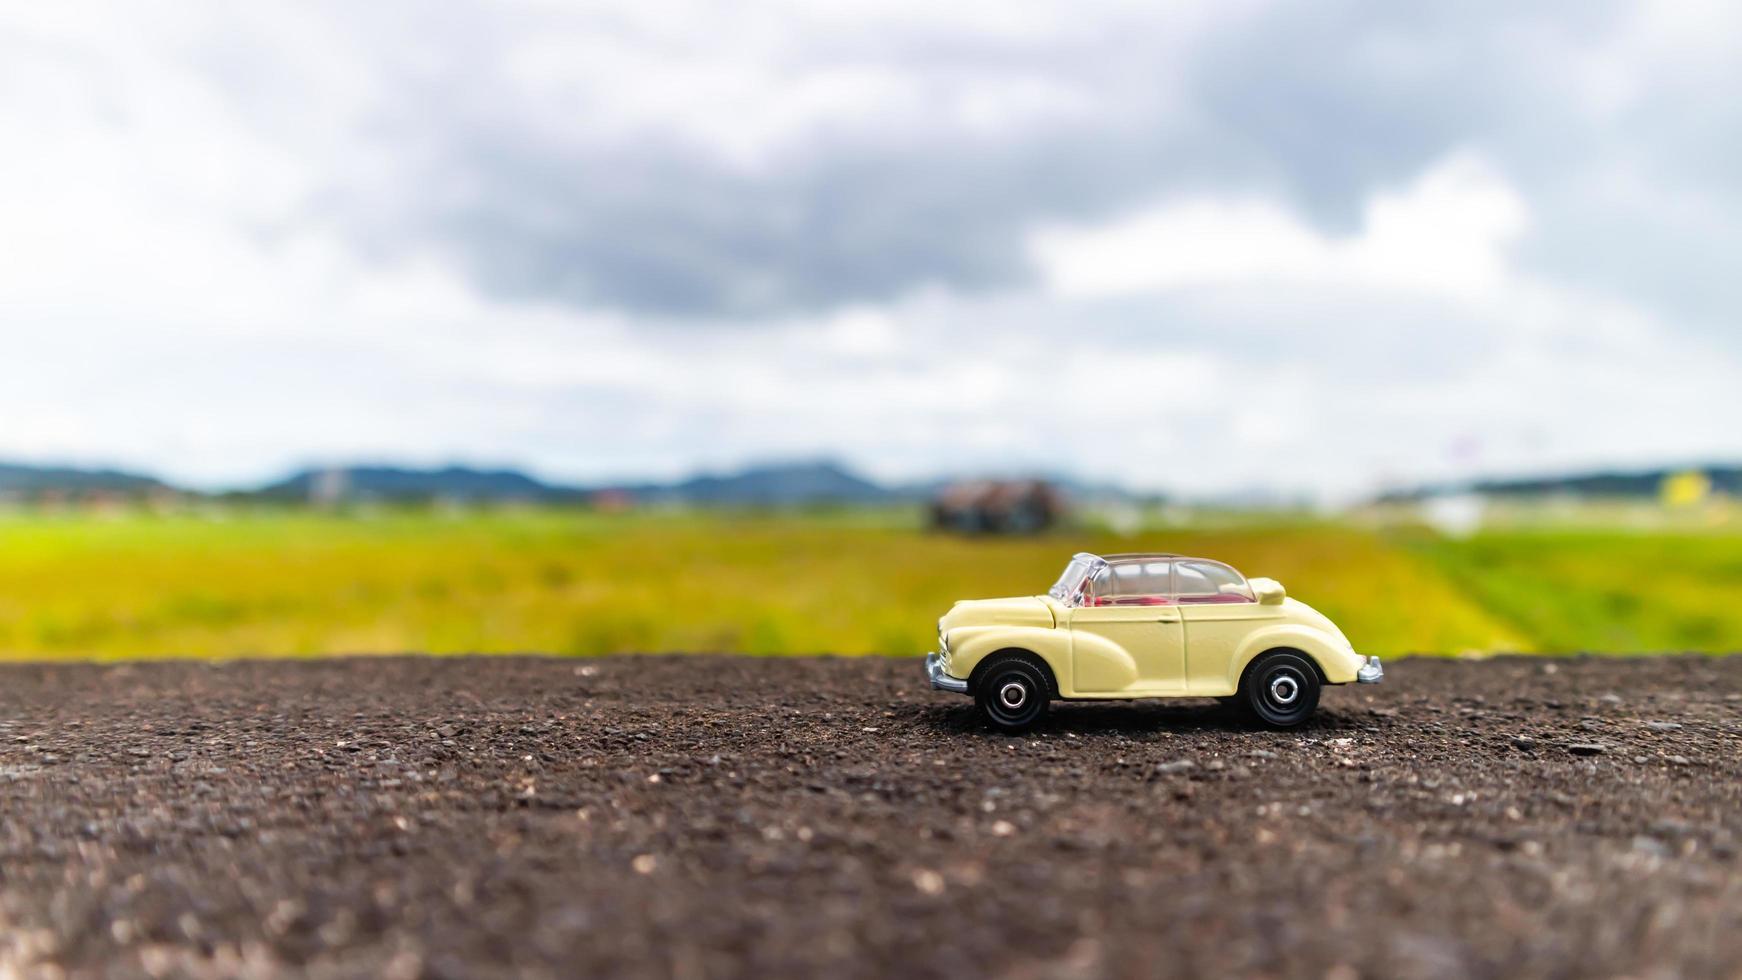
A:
{"x": 1145, "y": 626}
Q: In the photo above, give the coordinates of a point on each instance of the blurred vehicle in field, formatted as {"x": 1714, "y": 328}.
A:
{"x": 997, "y": 507}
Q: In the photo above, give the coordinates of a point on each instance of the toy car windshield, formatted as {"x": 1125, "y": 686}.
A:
{"x": 1069, "y": 588}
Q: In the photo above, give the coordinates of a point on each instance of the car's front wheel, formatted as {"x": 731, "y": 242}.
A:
{"x": 1012, "y": 694}
{"x": 1281, "y": 689}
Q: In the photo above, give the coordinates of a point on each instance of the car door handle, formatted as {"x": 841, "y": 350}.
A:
{"x": 1167, "y": 618}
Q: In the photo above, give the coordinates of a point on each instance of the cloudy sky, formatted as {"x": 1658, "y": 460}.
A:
{"x": 1200, "y": 246}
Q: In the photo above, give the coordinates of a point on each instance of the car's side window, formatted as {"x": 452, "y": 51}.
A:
{"x": 1138, "y": 583}
{"x": 1207, "y": 581}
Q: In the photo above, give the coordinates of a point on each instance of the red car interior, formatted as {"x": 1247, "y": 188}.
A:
{"x": 1162, "y": 600}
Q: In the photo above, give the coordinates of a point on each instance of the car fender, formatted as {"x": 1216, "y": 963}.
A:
{"x": 971, "y": 644}
{"x": 1335, "y": 660}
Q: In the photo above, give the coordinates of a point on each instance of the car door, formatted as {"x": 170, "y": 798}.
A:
{"x": 1219, "y": 611}
{"x": 1127, "y": 637}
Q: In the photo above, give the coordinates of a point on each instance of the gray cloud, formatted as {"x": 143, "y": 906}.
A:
{"x": 860, "y": 208}
{"x": 657, "y": 228}
{"x": 1610, "y": 119}
{"x": 546, "y": 188}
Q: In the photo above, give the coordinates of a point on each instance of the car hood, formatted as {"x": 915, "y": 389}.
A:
{"x": 1027, "y": 610}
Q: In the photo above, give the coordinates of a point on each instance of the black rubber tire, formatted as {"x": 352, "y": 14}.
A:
{"x": 1012, "y": 693}
{"x": 1281, "y": 689}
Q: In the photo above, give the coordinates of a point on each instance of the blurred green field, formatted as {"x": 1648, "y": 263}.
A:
{"x": 290, "y": 583}
{"x": 1602, "y": 590}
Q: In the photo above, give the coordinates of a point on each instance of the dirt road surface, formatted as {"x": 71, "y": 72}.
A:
{"x": 701, "y": 816}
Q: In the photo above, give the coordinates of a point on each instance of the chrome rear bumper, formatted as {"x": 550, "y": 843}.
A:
{"x": 1372, "y": 672}
{"x": 934, "y": 672}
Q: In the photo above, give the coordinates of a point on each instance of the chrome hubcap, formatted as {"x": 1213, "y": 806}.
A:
{"x": 1284, "y": 689}
{"x": 1012, "y": 695}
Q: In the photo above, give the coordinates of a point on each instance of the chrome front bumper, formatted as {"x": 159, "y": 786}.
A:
{"x": 934, "y": 671}
{"x": 1372, "y": 672}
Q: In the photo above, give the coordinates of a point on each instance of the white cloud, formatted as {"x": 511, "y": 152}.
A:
{"x": 1445, "y": 233}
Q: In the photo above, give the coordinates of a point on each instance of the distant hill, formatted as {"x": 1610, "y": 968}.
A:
{"x": 778, "y": 485}
{"x": 1612, "y": 484}
{"x": 1075, "y": 489}
{"x": 398, "y": 484}
{"x": 35, "y": 482}
{"x": 773, "y": 486}
{"x": 767, "y": 485}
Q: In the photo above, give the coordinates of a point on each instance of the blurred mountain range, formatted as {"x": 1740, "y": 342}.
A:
{"x": 1629, "y": 484}
{"x": 19, "y": 481}
{"x": 391, "y": 483}
{"x": 774, "y": 485}
{"x": 770, "y": 485}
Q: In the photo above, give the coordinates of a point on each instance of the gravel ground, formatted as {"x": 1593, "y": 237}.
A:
{"x": 705, "y": 816}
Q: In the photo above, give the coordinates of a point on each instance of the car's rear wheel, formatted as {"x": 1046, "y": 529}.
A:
{"x": 1281, "y": 689}
{"x": 1012, "y": 693}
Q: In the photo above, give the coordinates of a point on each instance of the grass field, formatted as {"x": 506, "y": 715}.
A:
{"x": 1593, "y": 589}
{"x": 295, "y": 583}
